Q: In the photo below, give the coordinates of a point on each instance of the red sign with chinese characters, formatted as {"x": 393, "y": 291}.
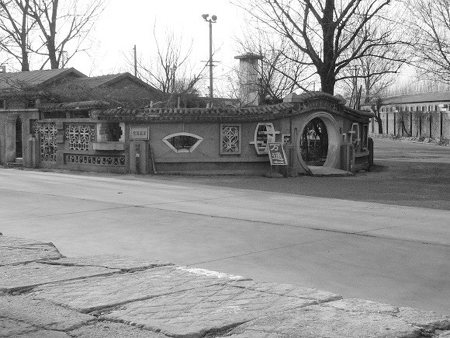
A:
{"x": 277, "y": 155}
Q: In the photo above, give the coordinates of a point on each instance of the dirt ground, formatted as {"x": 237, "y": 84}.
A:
{"x": 405, "y": 173}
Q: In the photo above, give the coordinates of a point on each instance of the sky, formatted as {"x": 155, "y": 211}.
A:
{"x": 124, "y": 24}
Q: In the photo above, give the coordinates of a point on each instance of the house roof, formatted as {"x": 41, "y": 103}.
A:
{"x": 418, "y": 98}
{"x": 18, "y": 80}
{"x": 68, "y": 106}
{"x": 106, "y": 80}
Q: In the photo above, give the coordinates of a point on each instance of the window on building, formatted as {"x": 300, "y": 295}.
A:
{"x": 2, "y": 104}
{"x": 182, "y": 142}
{"x": 31, "y": 103}
{"x": 114, "y": 132}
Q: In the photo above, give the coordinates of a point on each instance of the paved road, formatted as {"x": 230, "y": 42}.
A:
{"x": 387, "y": 252}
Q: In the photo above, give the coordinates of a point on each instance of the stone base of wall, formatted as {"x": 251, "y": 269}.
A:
{"x": 214, "y": 168}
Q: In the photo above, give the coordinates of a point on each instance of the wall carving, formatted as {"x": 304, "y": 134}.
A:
{"x": 182, "y": 142}
{"x": 79, "y": 136}
{"x": 230, "y": 139}
{"x": 47, "y": 140}
{"x": 95, "y": 160}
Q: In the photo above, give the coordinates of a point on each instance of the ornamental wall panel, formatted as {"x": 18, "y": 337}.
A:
{"x": 79, "y": 136}
{"x": 230, "y": 139}
{"x": 47, "y": 133}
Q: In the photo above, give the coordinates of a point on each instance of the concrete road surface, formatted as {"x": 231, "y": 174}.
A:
{"x": 393, "y": 253}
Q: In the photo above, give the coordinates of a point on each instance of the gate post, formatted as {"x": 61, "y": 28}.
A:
{"x": 138, "y": 157}
{"x": 33, "y": 152}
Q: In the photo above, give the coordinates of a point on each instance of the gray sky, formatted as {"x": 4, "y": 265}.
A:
{"x": 127, "y": 23}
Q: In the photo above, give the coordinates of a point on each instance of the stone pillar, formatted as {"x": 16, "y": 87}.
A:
{"x": 10, "y": 138}
{"x": 60, "y": 138}
{"x": 33, "y": 153}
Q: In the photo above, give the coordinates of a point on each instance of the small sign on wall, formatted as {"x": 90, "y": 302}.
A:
{"x": 277, "y": 155}
{"x": 139, "y": 133}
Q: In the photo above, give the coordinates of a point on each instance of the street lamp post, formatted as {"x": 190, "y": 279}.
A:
{"x": 211, "y": 20}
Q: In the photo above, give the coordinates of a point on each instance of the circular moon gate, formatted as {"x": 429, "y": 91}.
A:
{"x": 323, "y": 129}
{"x": 314, "y": 143}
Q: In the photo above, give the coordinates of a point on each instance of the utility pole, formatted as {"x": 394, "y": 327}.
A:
{"x": 211, "y": 20}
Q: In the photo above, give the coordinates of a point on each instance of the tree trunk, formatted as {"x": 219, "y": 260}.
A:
{"x": 25, "y": 62}
{"x": 327, "y": 77}
{"x": 380, "y": 123}
{"x": 54, "y": 64}
{"x": 327, "y": 82}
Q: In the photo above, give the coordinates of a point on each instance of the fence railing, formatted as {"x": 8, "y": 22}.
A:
{"x": 418, "y": 124}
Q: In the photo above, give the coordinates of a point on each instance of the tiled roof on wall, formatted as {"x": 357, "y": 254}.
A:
{"x": 198, "y": 114}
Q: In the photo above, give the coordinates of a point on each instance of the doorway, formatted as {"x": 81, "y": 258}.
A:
{"x": 314, "y": 143}
{"x": 19, "y": 151}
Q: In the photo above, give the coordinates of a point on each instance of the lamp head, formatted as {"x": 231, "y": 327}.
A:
{"x": 214, "y": 18}
{"x": 205, "y": 16}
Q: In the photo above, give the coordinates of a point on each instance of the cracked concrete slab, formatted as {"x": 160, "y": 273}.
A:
{"x": 122, "y": 263}
{"x": 198, "y": 311}
{"x": 42, "y": 334}
{"x": 346, "y": 318}
{"x": 20, "y": 277}
{"x": 10, "y": 327}
{"x": 326, "y": 322}
{"x": 131, "y": 297}
{"x": 111, "y": 329}
{"x": 15, "y": 251}
{"x": 41, "y": 313}
{"x": 427, "y": 321}
{"x": 98, "y": 292}
{"x": 289, "y": 290}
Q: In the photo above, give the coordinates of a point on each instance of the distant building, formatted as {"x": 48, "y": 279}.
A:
{"x": 426, "y": 102}
{"x": 424, "y": 115}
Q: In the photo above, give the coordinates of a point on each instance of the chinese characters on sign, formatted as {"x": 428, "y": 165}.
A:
{"x": 139, "y": 133}
{"x": 277, "y": 155}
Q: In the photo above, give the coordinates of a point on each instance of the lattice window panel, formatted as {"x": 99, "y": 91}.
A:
{"x": 47, "y": 141}
{"x": 79, "y": 136}
{"x": 95, "y": 160}
{"x": 230, "y": 139}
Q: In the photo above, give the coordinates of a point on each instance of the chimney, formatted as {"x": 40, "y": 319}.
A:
{"x": 3, "y": 68}
{"x": 248, "y": 79}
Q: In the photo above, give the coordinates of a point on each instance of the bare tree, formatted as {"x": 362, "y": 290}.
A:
{"x": 63, "y": 24}
{"x": 430, "y": 25}
{"x": 16, "y": 29}
{"x": 332, "y": 33}
{"x": 373, "y": 75}
{"x": 53, "y": 30}
{"x": 376, "y": 108}
{"x": 169, "y": 69}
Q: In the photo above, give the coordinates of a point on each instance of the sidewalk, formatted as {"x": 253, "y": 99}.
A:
{"x": 43, "y": 294}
